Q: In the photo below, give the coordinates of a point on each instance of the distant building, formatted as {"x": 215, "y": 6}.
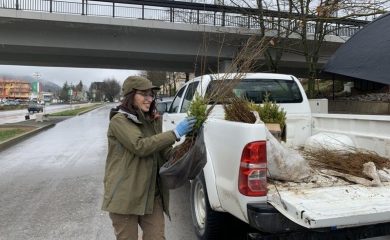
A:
{"x": 47, "y": 97}
{"x": 14, "y": 89}
{"x": 79, "y": 95}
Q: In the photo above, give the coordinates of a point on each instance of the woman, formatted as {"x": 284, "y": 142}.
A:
{"x": 133, "y": 192}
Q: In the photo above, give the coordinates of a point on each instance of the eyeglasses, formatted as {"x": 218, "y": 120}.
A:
{"x": 146, "y": 94}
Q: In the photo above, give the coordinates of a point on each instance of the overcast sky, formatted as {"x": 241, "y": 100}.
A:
{"x": 60, "y": 75}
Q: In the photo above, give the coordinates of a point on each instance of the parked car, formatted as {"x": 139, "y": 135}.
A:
{"x": 35, "y": 107}
{"x": 163, "y": 104}
{"x": 11, "y": 102}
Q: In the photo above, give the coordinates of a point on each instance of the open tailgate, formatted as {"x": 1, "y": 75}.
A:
{"x": 336, "y": 207}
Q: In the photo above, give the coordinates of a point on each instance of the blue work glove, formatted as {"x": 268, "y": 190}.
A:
{"x": 185, "y": 126}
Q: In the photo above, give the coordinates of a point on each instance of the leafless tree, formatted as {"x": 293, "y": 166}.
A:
{"x": 158, "y": 78}
{"x": 111, "y": 89}
{"x": 312, "y": 21}
{"x": 324, "y": 16}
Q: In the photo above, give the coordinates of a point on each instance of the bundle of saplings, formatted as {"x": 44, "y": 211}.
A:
{"x": 241, "y": 110}
{"x": 283, "y": 163}
{"x": 188, "y": 159}
{"x": 197, "y": 109}
{"x": 352, "y": 164}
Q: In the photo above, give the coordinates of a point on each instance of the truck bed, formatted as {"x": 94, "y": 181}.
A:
{"x": 330, "y": 202}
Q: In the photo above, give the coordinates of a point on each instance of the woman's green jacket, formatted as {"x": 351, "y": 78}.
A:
{"x": 136, "y": 151}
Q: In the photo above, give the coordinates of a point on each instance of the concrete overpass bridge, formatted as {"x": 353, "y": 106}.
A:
{"x": 133, "y": 34}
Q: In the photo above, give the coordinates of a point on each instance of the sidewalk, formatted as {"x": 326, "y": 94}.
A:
{"x": 33, "y": 126}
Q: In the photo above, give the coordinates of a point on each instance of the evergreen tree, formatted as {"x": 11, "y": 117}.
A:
{"x": 64, "y": 92}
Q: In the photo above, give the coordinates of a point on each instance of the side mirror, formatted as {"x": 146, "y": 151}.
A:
{"x": 162, "y": 107}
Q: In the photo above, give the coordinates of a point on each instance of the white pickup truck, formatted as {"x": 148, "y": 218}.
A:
{"x": 234, "y": 182}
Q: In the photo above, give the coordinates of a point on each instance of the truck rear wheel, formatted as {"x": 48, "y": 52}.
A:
{"x": 208, "y": 223}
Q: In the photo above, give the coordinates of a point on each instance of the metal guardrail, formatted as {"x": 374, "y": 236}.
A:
{"x": 161, "y": 13}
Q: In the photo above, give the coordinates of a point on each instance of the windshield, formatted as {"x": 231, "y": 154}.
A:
{"x": 256, "y": 90}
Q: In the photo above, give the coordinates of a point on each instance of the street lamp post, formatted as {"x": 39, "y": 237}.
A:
{"x": 94, "y": 94}
{"x": 37, "y": 76}
{"x": 70, "y": 93}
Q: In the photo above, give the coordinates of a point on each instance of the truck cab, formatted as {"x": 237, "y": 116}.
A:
{"x": 285, "y": 90}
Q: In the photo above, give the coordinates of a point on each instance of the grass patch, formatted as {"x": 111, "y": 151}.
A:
{"x": 74, "y": 112}
{"x": 8, "y": 133}
{"x": 13, "y": 107}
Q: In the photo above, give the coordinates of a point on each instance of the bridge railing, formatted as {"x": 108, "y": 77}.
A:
{"x": 166, "y": 14}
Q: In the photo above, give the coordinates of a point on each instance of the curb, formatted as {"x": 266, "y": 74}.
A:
{"x": 88, "y": 110}
{"x": 17, "y": 139}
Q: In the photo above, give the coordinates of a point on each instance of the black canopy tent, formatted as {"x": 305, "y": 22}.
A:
{"x": 366, "y": 55}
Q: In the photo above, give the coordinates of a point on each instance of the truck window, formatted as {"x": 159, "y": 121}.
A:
{"x": 176, "y": 102}
{"x": 256, "y": 90}
{"x": 191, "y": 89}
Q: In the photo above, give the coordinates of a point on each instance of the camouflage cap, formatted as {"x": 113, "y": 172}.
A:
{"x": 136, "y": 82}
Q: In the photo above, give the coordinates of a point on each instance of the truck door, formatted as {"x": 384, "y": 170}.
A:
{"x": 172, "y": 117}
{"x": 179, "y": 106}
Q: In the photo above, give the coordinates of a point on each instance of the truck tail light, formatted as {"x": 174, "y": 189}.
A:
{"x": 252, "y": 180}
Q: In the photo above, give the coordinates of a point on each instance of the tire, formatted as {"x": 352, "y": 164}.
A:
{"x": 208, "y": 224}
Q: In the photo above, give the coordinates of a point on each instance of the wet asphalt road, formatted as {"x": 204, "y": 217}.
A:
{"x": 51, "y": 185}
{"x": 13, "y": 116}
